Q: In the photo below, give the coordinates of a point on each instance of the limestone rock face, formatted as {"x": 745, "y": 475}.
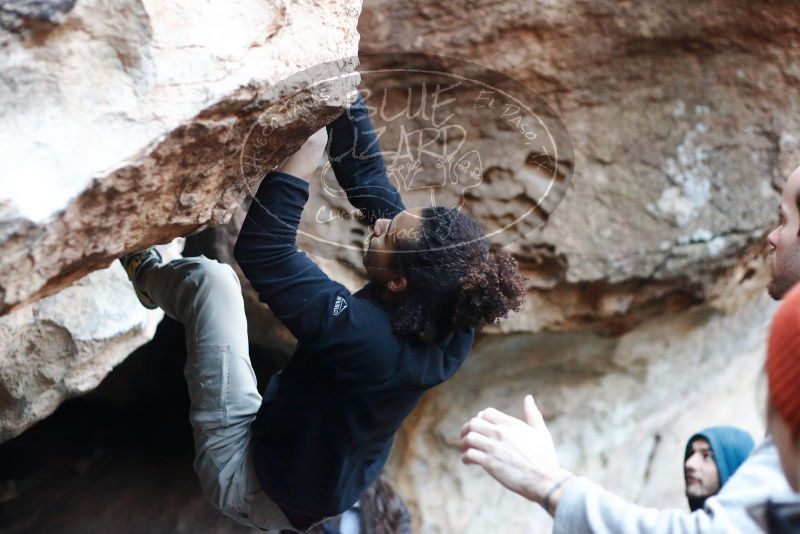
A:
{"x": 129, "y": 123}
{"x": 65, "y": 344}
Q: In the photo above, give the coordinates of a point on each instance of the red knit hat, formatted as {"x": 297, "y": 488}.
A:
{"x": 783, "y": 360}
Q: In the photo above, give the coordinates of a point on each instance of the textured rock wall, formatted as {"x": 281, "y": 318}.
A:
{"x": 130, "y": 123}
{"x": 65, "y": 344}
{"x": 682, "y": 115}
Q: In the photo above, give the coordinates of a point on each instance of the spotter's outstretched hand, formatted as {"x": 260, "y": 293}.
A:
{"x": 518, "y": 454}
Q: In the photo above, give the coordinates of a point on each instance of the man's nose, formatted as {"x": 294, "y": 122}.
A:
{"x": 380, "y": 226}
{"x": 691, "y": 464}
{"x": 772, "y": 238}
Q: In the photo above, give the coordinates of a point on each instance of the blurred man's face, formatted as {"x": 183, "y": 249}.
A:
{"x": 700, "y": 471}
{"x": 784, "y": 241}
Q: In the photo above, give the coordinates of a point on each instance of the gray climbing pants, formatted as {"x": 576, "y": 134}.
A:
{"x": 206, "y": 297}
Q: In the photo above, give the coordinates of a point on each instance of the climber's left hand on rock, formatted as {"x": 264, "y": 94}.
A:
{"x": 303, "y": 163}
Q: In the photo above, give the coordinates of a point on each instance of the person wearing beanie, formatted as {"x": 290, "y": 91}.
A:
{"x": 710, "y": 458}
{"x": 783, "y": 377}
{"x": 783, "y": 410}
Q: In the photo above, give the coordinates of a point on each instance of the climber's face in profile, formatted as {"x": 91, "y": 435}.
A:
{"x": 700, "y": 470}
{"x": 387, "y": 236}
{"x": 784, "y": 240}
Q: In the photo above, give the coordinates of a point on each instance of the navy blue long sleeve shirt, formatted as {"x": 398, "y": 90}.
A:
{"x": 327, "y": 422}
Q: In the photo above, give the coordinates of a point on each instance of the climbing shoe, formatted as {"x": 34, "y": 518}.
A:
{"x": 135, "y": 264}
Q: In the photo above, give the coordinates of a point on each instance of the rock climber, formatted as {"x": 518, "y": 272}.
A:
{"x": 323, "y": 430}
{"x": 782, "y": 515}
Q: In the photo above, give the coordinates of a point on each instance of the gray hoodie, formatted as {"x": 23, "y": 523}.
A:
{"x": 587, "y": 508}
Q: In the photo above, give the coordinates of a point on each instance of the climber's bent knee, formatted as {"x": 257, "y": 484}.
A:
{"x": 212, "y": 279}
{"x": 212, "y": 271}
{"x": 211, "y": 305}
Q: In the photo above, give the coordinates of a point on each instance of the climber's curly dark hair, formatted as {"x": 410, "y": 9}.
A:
{"x": 453, "y": 279}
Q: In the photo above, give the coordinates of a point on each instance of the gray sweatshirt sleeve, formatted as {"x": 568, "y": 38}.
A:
{"x": 587, "y": 508}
